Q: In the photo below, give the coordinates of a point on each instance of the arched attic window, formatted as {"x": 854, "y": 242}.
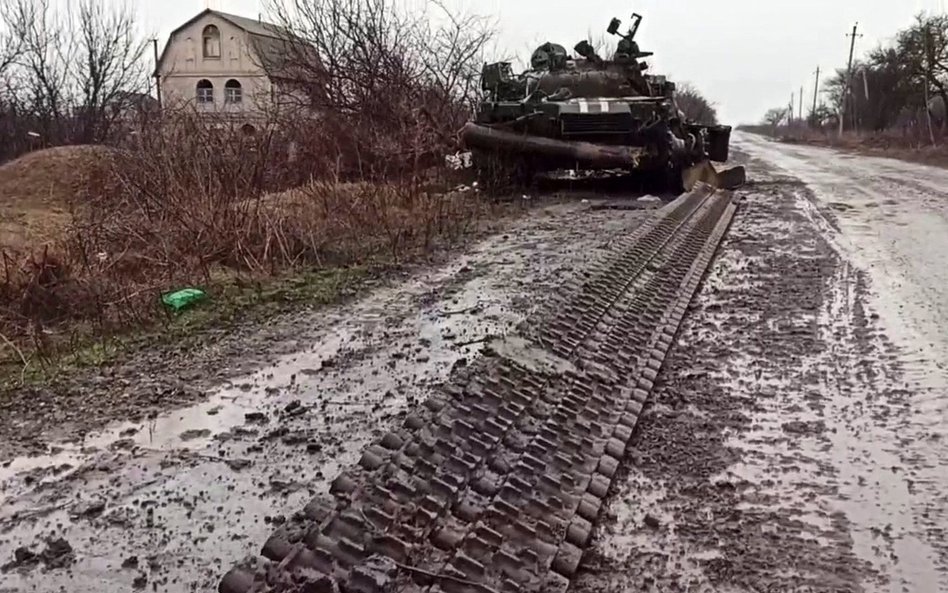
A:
{"x": 233, "y": 92}
{"x": 212, "y": 42}
{"x": 205, "y": 91}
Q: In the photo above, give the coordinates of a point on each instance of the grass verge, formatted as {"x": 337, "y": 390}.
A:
{"x": 887, "y": 144}
{"x": 231, "y": 301}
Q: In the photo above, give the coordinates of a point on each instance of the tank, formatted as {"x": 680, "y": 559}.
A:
{"x": 583, "y": 112}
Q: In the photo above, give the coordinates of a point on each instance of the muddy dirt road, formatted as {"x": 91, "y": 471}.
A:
{"x": 167, "y": 502}
{"x": 796, "y": 438}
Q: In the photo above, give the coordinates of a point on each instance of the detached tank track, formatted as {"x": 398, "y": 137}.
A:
{"x": 495, "y": 483}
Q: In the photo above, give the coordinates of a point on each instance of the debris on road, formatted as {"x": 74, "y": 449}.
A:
{"x": 186, "y": 298}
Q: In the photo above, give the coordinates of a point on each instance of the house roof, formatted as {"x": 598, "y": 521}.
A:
{"x": 253, "y": 26}
{"x": 260, "y": 30}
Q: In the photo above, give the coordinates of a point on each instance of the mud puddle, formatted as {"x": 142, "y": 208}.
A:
{"x": 167, "y": 503}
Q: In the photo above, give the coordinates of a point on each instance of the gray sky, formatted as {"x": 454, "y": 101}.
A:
{"x": 745, "y": 55}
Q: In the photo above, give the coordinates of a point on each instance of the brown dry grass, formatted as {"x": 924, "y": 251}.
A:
{"x": 912, "y": 147}
{"x": 99, "y": 244}
{"x": 39, "y": 190}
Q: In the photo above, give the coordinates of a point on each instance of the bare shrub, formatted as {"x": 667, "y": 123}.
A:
{"x": 390, "y": 87}
{"x": 187, "y": 204}
{"x": 348, "y": 169}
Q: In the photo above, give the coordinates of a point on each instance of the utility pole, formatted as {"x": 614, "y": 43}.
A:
{"x": 801, "y": 102}
{"x": 154, "y": 43}
{"x": 849, "y": 77}
{"x": 816, "y": 91}
{"x": 928, "y": 68}
{"x": 790, "y": 112}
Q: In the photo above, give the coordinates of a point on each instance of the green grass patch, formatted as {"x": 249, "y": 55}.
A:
{"x": 232, "y": 300}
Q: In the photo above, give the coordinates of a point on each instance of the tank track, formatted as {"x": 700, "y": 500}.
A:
{"x": 495, "y": 483}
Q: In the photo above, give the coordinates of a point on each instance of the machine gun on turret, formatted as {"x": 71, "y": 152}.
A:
{"x": 628, "y": 48}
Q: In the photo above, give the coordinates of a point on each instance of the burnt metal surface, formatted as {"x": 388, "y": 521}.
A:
{"x": 586, "y": 98}
{"x": 564, "y": 151}
{"x": 496, "y": 482}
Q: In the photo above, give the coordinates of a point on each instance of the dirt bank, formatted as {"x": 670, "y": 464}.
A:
{"x": 39, "y": 190}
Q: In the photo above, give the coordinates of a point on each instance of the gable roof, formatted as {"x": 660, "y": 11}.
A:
{"x": 256, "y": 28}
{"x": 252, "y": 26}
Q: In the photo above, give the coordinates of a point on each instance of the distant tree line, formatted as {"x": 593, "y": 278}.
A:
{"x": 695, "y": 106}
{"x": 896, "y": 86}
{"x": 69, "y": 72}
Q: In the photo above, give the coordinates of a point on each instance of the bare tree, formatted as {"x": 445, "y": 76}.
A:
{"x": 451, "y": 60}
{"x": 43, "y": 77}
{"x": 390, "y": 87}
{"x": 110, "y": 66}
{"x": 923, "y": 48}
{"x": 774, "y": 117}
{"x": 695, "y": 106}
{"x": 68, "y": 71}
{"x": 11, "y": 43}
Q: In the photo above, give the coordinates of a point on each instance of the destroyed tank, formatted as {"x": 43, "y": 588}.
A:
{"x": 584, "y": 112}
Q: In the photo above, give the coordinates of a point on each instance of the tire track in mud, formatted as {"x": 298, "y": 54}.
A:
{"x": 700, "y": 509}
{"x": 777, "y": 452}
{"x": 878, "y": 330}
{"x": 496, "y": 483}
{"x": 903, "y": 535}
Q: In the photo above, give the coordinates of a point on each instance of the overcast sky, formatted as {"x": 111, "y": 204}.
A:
{"x": 745, "y": 55}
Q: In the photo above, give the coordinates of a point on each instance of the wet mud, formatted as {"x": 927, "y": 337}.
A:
{"x": 796, "y": 438}
{"x": 498, "y": 479}
{"x": 169, "y": 502}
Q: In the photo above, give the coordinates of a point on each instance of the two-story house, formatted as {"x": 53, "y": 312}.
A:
{"x": 223, "y": 64}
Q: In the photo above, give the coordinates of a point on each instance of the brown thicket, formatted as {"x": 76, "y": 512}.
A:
{"x": 695, "y": 106}
{"x": 186, "y": 205}
{"x": 349, "y": 169}
{"x": 389, "y": 87}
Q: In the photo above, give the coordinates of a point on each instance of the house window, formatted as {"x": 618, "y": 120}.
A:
{"x": 205, "y": 91}
{"x": 212, "y": 42}
{"x": 233, "y": 92}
